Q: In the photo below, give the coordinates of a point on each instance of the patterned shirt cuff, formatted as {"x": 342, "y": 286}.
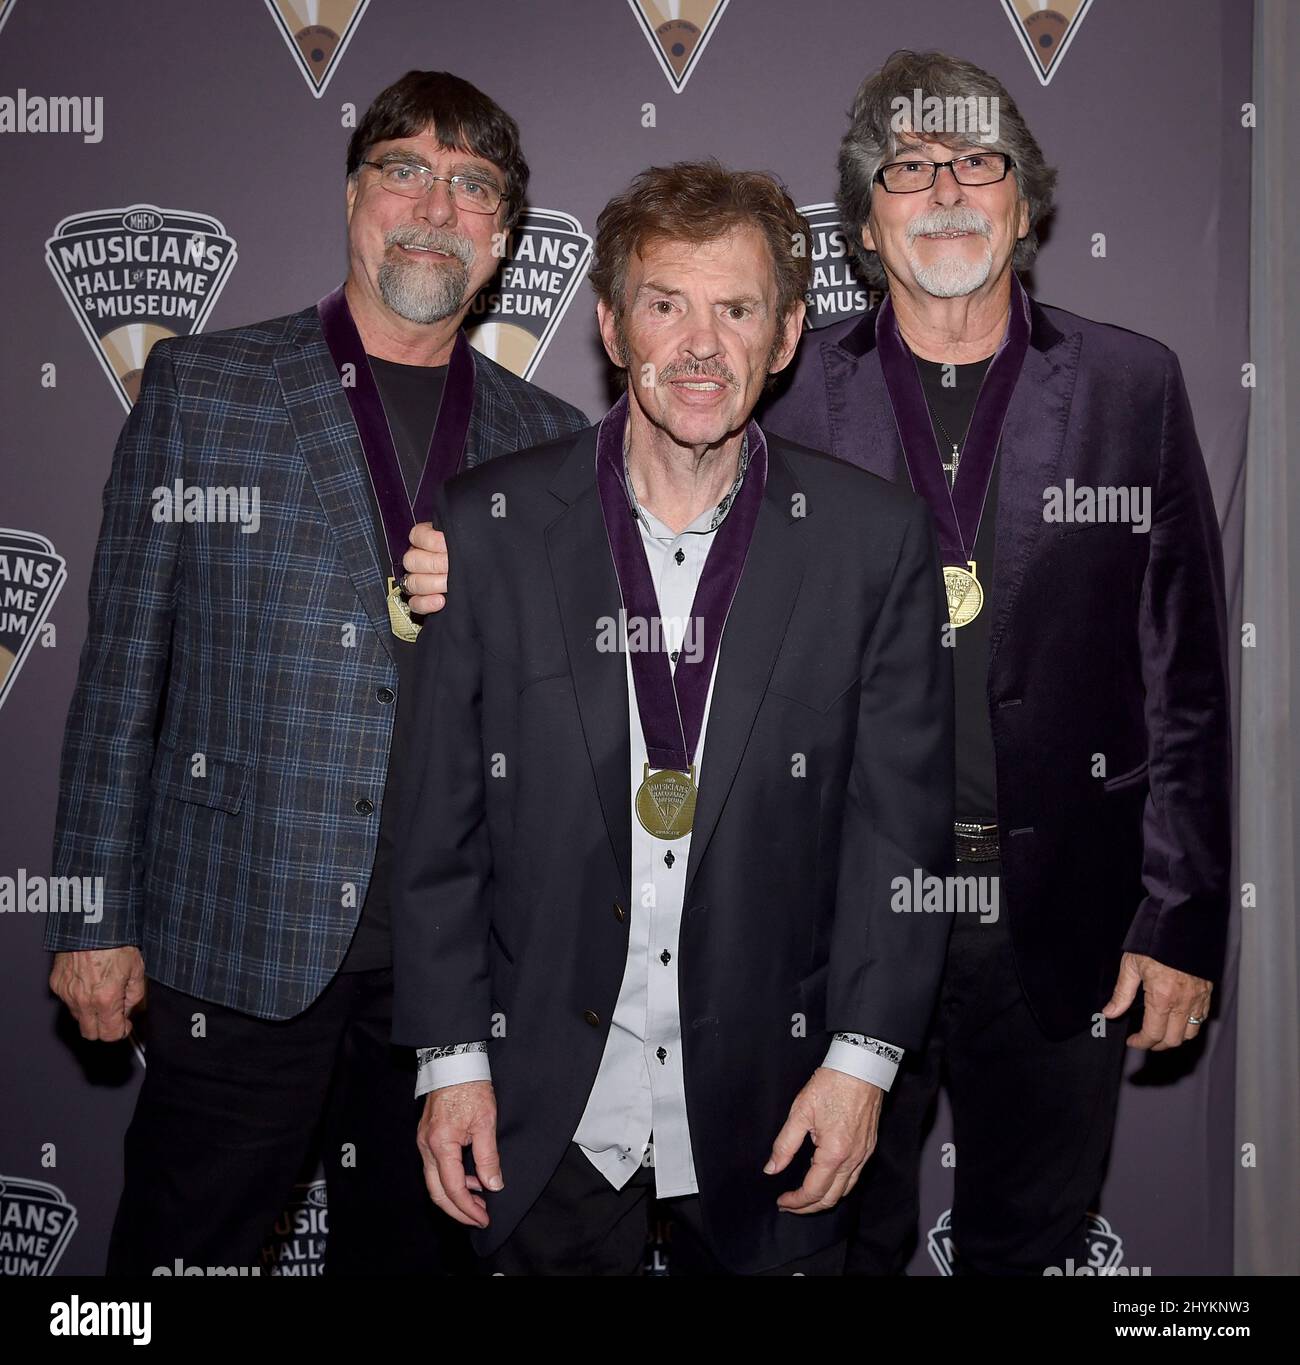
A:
{"x": 868, "y": 1059}
{"x": 451, "y": 1065}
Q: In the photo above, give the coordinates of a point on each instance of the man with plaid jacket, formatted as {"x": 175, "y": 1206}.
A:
{"x": 228, "y": 741}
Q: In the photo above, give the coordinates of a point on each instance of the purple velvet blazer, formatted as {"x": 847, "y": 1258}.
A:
{"x": 1105, "y": 642}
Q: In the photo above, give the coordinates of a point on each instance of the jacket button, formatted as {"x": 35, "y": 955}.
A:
{"x": 619, "y": 913}
{"x": 365, "y": 806}
{"x": 592, "y": 1018}
{"x": 384, "y": 694}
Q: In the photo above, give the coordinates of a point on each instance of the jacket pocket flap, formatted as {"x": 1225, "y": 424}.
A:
{"x": 199, "y": 778}
{"x": 1128, "y": 779}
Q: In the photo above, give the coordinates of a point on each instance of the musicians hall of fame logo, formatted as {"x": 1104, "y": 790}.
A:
{"x": 31, "y": 574}
{"x": 296, "y": 1243}
{"x": 36, "y": 1225}
{"x": 134, "y": 276}
{"x": 1045, "y": 29}
{"x": 515, "y": 318}
{"x": 317, "y": 33}
{"x": 1105, "y": 1247}
{"x": 836, "y": 292}
{"x": 677, "y": 31}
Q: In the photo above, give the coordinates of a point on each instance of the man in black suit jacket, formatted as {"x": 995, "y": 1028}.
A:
{"x": 720, "y": 964}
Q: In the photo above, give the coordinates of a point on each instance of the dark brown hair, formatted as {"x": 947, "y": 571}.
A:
{"x": 464, "y": 118}
{"x": 699, "y": 201}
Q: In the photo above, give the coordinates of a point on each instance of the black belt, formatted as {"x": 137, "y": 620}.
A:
{"x": 976, "y": 843}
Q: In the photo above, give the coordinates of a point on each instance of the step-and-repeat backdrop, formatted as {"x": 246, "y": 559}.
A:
{"x": 220, "y": 129}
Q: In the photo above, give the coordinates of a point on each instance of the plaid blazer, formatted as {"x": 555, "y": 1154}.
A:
{"x": 227, "y": 743}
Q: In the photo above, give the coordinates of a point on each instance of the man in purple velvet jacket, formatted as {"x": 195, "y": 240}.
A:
{"x": 1085, "y": 587}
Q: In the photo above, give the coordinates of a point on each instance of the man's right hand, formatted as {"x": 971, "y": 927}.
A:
{"x": 456, "y": 1117}
{"x": 426, "y": 568}
{"x": 100, "y": 986}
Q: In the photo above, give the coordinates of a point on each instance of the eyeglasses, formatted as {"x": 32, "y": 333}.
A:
{"x": 910, "y": 177}
{"x": 413, "y": 181}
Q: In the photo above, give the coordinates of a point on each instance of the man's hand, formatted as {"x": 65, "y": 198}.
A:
{"x": 1172, "y": 999}
{"x": 426, "y": 569}
{"x": 456, "y": 1117}
{"x": 100, "y": 986}
{"x": 841, "y": 1113}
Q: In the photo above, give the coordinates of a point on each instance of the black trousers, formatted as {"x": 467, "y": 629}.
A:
{"x": 226, "y": 1121}
{"x": 1032, "y": 1122}
{"x": 582, "y": 1225}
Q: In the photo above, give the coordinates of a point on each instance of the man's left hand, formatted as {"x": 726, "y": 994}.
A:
{"x": 840, "y": 1113}
{"x": 1173, "y": 999}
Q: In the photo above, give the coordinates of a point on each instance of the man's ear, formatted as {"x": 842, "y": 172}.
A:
{"x": 351, "y": 195}
{"x": 791, "y": 331}
{"x": 868, "y": 240}
{"x": 1022, "y": 229}
{"x": 609, "y": 333}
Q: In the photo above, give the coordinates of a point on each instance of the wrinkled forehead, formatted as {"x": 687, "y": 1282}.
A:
{"x": 739, "y": 251}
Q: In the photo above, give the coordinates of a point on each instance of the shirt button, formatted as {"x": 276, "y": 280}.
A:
{"x": 365, "y": 806}
{"x": 665, "y": 957}
{"x": 384, "y": 694}
{"x": 662, "y": 1054}
{"x": 592, "y": 1018}
{"x": 679, "y": 556}
{"x": 619, "y": 913}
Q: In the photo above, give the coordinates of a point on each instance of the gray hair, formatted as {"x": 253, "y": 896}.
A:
{"x": 873, "y": 139}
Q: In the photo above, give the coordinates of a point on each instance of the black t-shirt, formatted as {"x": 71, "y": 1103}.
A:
{"x": 950, "y": 413}
{"x": 411, "y": 396}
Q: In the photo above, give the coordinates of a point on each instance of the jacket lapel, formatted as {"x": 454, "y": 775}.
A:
{"x": 1033, "y": 438}
{"x": 755, "y": 628}
{"x": 327, "y": 439}
{"x": 855, "y": 397}
{"x": 586, "y": 589}
{"x": 494, "y": 422}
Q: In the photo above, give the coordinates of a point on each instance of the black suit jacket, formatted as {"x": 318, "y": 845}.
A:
{"x": 828, "y": 772}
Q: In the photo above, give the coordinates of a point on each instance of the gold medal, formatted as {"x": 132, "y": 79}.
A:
{"x": 665, "y": 802}
{"x": 404, "y": 625}
{"x": 965, "y": 595}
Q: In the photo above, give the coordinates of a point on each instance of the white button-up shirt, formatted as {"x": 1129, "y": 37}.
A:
{"x": 639, "y": 1088}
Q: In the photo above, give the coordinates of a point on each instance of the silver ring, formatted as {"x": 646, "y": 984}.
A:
{"x": 1195, "y": 1019}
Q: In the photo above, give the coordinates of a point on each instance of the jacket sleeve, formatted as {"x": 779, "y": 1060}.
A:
{"x": 885, "y": 964}
{"x": 442, "y": 865}
{"x": 109, "y": 743}
{"x": 1182, "y": 920}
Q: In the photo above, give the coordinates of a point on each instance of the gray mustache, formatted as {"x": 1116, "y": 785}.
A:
{"x": 949, "y": 220}
{"x": 445, "y": 242}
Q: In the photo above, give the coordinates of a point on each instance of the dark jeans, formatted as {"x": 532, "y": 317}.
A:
{"x": 226, "y": 1120}
{"x": 582, "y": 1225}
{"x": 1032, "y": 1122}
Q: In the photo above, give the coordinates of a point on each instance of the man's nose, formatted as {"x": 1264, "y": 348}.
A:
{"x": 946, "y": 191}
{"x": 702, "y": 340}
{"x": 437, "y": 205}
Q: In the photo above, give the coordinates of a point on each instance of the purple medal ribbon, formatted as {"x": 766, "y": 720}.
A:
{"x": 671, "y": 705}
{"x": 446, "y": 446}
{"x": 957, "y": 511}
